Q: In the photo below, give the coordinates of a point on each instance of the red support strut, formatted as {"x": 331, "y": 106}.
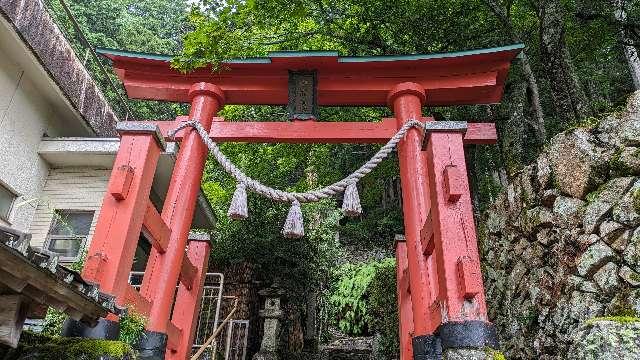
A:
{"x": 110, "y": 255}
{"x": 460, "y": 289}
{"x": 185, "y": 311}
{"x": 405, "y": 313}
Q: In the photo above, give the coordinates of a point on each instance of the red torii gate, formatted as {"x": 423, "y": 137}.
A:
{"x": 440, "y": 293}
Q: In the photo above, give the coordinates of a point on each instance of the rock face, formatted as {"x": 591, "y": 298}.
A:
{"x": 577, "y": 162}
{"x": 561, "y": 244}
{"x": 607, "y": 340}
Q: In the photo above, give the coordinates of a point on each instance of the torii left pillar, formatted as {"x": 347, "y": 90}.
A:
{"x": 163, "y": 268}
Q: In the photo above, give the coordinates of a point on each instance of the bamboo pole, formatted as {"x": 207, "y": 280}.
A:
{"x": 216, "y": 333}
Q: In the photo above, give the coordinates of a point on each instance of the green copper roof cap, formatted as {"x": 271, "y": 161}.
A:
{"x": 319, "y": 53}
{"x": 354, "y": 59}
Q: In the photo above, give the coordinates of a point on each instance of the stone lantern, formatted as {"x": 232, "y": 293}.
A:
{"x": 271, "y": 314}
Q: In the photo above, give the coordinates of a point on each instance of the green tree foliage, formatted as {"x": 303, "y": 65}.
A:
{"x": 573, "y": 64}
{"x": 383, "y": 316}
{"x": 155, "y": 26}
{"x": 348, "y": 297}
{"x": 363, "y": 301}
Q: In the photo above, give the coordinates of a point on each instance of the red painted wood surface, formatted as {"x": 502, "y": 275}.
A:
{"x": 136, "y": 302}
{"x": 304, "y": 131}
{"x": 481, "y": 134}
{"x": 406, "y": 100}
{"x": 163, "y": 270}
{"x": 186, "y": 309}
{"x": 120, "y": 221}
{"x": 426, "y": 236}
{"x": 120, "y": 182}
{"x": 188, "y": 272}
{"x": 174, "y": 339}
{"x": 453, "y": 183}
{"x": 454, "y": 232}
{"x": 469, "y": 277}
{"x": 452, "y": 80}
{"x": 404, "y": 302}
{"x": 319, "y": 132}
{"x": 157, "y": 230}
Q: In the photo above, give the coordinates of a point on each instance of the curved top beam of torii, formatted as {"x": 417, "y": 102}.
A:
{"x": 469, "y": 77}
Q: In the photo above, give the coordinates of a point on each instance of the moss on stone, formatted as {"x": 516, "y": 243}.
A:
{"x": 617, "y": 167}
{"x": 636, "y": 200}
{"x": 590, "y": 122}
{"x": 494, "y": 354}
{"x": 617, "y": 319}
{"x": 621, "y": 307}
{"x": 592, "y": 196}
{"x": 43, "y": 347}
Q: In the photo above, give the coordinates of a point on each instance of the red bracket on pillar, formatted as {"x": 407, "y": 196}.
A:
{"x": 426, "y": 236}
{"x": 453, "y": 183}
{"x": 188, "y": 273}
{"x": 120, "y": 182}
{"x": 159, "y": 232}
{"x": 469, "y": 275}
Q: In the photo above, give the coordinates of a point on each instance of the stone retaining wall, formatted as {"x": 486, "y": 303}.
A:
{"x": 561, "y": 245}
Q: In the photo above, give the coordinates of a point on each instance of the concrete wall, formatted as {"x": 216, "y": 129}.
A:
{"x": 23, "y": 121}
{"x": 49, "y": 50}
{"x": 68, "y": 189}
{"x": 44, "y": 91}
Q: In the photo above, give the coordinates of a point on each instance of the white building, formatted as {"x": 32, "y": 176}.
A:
{"x": 57, "y": 137}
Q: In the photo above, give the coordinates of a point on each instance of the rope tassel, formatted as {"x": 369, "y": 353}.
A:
{"x": 238, "y": 210}
{"x": 351, "y": 201}
{"x": 294, "y": 225}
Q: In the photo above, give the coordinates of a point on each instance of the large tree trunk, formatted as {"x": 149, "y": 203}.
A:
{"x": 569, "y": 98}
{"x": 630, "y": 51}
{"x": 534, "y": 99}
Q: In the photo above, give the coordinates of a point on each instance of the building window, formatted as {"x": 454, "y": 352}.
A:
{"x": 68, "y": 233}
{"x": 7, "y": 198}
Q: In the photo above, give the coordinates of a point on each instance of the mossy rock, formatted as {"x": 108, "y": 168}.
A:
{"x": 636, "y": 200}
{"x": 42, "y": 347}
{"x": 609, "y": 338}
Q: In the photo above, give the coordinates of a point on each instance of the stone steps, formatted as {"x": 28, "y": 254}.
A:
{"x": 347, "y": 348}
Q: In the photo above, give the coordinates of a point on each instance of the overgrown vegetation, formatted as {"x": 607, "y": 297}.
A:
{"x": 131, "y": 327}
{"x": 363, "y": 301}
{"x": 52, "y": 325}
{"x": 618, "y": 319}
{"x": 42, "y": 347}
{"x": 349, "y": 298}
{"x": 383, "y": 313}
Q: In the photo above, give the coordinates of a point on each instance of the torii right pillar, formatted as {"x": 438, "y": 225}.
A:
{"x": 447, "y": 294}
